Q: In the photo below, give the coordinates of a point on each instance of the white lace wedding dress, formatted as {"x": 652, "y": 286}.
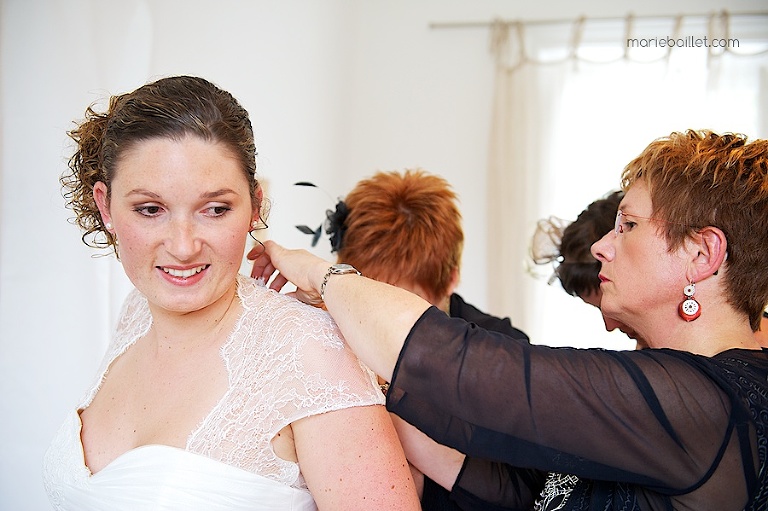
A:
{"x": 285, "y": 361}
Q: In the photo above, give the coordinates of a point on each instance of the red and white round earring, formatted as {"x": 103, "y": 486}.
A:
{"x": 689, "y": 308}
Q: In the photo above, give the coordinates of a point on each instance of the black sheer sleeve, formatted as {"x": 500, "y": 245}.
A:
{"x": 484, "y": 485}
{"x": 490, "y": 485}
{"x": 652, "y": 418}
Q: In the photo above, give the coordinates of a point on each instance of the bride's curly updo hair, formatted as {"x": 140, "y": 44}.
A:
{"x": 174, "y": 108}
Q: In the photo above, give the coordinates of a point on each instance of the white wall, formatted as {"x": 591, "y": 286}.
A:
{"x": 337, "y": 89}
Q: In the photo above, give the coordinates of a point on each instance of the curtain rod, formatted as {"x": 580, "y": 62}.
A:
{"x": 484, "y": 24}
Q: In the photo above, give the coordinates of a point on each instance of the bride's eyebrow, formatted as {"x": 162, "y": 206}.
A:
{"x": 218, "y": 193}
{"x": 142, "y": 191}
{"x": 206, "y": 195}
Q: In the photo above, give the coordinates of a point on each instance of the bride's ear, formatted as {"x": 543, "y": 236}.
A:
{"x": 101, "y": 197}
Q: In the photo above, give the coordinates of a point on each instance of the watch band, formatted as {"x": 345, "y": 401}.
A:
{"x": 336, "y": 269}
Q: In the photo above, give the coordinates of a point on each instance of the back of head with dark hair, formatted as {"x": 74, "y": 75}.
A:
{"x": 578, "y": 270}
{"x": 567, "y": 245}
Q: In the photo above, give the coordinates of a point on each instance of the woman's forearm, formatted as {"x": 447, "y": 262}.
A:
{"x": 438, "y": 462}
{"x": 374, "y": 318}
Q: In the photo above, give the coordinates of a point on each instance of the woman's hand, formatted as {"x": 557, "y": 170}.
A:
{"x": 299, "y": 267}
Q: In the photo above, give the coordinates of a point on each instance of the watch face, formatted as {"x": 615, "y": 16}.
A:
{"x": 343, "y": 268}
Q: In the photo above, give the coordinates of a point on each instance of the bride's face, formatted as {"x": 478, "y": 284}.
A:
{"x": 181, "y": 211}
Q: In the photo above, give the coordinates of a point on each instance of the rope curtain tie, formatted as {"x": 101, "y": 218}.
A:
{"x": 512, "y": 51}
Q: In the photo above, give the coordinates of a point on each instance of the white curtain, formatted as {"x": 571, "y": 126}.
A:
{"x": 574, "y": 102}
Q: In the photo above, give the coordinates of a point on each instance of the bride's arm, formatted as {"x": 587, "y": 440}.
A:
{"x": 351, "y": 459}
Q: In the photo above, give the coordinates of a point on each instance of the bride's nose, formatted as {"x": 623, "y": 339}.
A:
{"x": 182, "y": 239}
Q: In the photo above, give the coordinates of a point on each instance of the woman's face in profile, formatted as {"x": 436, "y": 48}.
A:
{"x": 639, "y": 275}
{"x": 180, "y": 210}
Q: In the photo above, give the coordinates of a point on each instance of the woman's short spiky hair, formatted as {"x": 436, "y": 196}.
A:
{"x": 698, "y": 179}
{"x": 404, "y": 228}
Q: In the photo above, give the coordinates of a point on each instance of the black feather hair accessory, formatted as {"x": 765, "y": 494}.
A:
{"x": 333, "y": 223}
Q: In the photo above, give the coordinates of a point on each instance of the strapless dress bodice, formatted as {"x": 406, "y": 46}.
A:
{"x": 159, "y": 478}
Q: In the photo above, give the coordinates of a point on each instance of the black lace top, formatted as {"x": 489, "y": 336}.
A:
{"x": 650, "y": 429}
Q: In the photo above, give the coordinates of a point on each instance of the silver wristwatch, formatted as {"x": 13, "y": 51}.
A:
{"x": 336, "y": 269}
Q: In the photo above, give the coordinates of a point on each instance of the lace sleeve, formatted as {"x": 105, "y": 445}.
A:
{"x": 286, "y": 361}
{"x": 327, "y": 376}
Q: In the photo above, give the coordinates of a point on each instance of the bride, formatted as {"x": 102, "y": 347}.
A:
{"x": 215, "y": 392}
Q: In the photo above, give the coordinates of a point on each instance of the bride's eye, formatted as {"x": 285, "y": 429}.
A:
{"x": 147, "y": 210}
{"x": 216, "y": 211}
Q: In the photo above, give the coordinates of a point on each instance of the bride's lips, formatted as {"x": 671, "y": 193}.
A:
{"x": 183, "y": 275}
{"x": 183, "y": 272}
